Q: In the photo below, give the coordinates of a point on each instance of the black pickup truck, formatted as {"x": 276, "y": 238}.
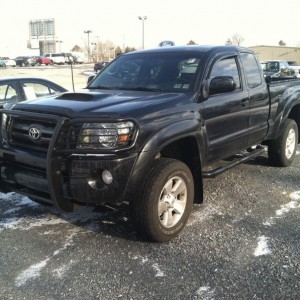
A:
{"x": 145, "y": 130}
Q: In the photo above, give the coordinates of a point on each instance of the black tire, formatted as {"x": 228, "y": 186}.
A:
{"x": 282, "y": 151}
{"x": 166, "y": 201}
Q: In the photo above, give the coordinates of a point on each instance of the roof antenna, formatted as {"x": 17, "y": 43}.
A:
{"x": 71, "y": 59}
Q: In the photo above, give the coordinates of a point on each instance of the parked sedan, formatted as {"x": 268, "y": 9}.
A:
{"x": 32, "y": 61}
{"x": 22, "y": 61}
{"x": 40, "y": 60}
{"x": 9, "y": 62}
{"x": 2, "y": 64}
{"x": 13, "y": 90}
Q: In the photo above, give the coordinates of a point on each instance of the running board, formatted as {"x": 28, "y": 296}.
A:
{"x": 246, "y": 157}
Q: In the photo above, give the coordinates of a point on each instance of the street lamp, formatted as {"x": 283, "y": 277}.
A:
{"x": 95, "y": 51}
{"x": 59, "y": 45}
{"x": 143, "y": 19}
{"x": 88, "y": 33}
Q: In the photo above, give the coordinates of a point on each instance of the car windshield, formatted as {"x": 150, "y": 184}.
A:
{"x": 150, "y": 72}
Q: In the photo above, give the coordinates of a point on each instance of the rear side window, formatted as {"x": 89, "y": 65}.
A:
{"x": 251, "y": 69}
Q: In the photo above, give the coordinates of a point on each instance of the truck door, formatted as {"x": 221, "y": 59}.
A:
{"x": 226, "y": 114}
{"x": 258, "y": 97}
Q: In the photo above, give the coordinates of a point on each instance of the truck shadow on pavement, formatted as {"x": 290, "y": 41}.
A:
{"x": 104, "y": 220}
{"x": 20, "y": 213}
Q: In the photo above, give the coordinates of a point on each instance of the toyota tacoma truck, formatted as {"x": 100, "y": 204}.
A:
{"x": 146, "y": 131}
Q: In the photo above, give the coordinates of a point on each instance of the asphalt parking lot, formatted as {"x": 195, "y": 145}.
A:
{"x": 243, "y": 242}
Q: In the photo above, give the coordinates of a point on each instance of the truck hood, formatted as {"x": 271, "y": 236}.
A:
{"x": 111, "y": 104}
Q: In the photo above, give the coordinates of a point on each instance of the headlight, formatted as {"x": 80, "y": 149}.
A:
{"x": 105, "y": 135}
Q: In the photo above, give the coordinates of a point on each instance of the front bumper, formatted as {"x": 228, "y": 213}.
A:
{"x": 61, "y": 176}
{"x": 75, "y": 179}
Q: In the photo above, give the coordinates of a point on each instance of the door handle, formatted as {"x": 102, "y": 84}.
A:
{"x": 245, "y": 101}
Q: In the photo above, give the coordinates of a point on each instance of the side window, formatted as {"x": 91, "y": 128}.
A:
{"x": 251, "y": 69}
{"x": 35, "y": 90}
{"x": 226, "y": 67}
{"x": 8, "y": 93}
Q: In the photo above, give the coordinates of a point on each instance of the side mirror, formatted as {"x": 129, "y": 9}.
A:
{"x": 90, "y": 78}
{"x": 222, "y": 84}
{"x": 268, "y": 79}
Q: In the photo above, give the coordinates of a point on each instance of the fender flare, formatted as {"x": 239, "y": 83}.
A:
{"x": 290, "y": 100}
{"x": 158, "y": 141}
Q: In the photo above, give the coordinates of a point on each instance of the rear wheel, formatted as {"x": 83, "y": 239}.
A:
{"x": 166, "y": 201}
{"x": 282, "y": 151}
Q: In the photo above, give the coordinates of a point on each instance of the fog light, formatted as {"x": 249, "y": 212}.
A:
{"x": 107, "y": 177}
{"x": 92, "y": 183}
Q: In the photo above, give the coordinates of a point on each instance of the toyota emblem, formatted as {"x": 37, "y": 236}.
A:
{"x": 34, "y": 133}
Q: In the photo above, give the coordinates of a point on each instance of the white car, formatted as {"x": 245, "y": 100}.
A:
{"x": 296, "y": 69}
{"x": 8, "y": 62}
{"x": 56, "y": 58}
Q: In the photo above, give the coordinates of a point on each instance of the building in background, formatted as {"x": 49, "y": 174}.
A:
{"x": 42, "y": 36}
{"x": 290, "y": 54}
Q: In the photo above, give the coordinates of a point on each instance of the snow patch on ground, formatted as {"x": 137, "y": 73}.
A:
{"x": 154, "y": 266}
{"x": 285, "y": 208}
{"x": 35, "y": 270}
{"x": 61, "y": 271}
{"x": 201, "y": 215}
{"x": 32, "y": 272}
{"x": 205, "y": 293}
{"x": 10, "y": 223}
{"x": 17, "y": 199}
{"x": 159, "y": 272}
{"x": 262, "y": 246}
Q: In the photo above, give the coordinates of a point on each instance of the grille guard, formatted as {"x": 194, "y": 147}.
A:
{"x": 53, "y": 172}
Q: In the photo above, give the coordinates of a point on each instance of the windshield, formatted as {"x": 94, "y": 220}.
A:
{"x": 168, "y": 72}
{"x": 272, "y": 66}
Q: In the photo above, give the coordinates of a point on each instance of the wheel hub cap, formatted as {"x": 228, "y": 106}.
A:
{"x": 290, "y": 144}
{"x": 172, "y": 201}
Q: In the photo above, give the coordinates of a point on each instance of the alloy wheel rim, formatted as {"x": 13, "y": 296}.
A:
{"x": 172, "y": 202}
{"x": 290, "y": 144}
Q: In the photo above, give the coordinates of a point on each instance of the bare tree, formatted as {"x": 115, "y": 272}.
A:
{"x": 228, "y": 42}
{"x": 237, "y": 39}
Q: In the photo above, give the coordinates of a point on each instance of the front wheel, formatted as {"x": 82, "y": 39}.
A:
{"x": 282, "y": 151}
{"x": 166, "y": 201}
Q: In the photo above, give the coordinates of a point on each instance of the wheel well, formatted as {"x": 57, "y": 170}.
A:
{"x": 186, "y": 150}
{"x": 295, "y": 115}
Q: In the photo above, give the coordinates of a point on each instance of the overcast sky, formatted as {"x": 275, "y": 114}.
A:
{"x": 259, "y": 22}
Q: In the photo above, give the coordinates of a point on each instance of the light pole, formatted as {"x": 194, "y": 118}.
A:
{"x": 95, "y": 51}
{"x": 88, "y": 33}
{"x": 143, "y": 19}
{"x": 59, "y": 45}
